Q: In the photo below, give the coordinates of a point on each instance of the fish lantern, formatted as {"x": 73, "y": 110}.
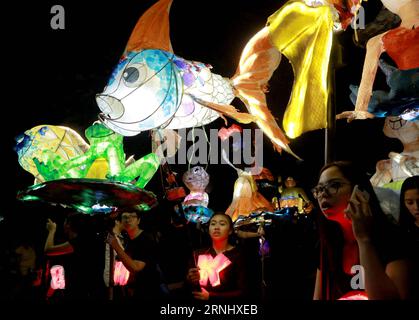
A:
{"x": 152, "y": 88}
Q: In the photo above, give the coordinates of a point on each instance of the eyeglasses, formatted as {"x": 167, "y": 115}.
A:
{"x": 330, "y": 188}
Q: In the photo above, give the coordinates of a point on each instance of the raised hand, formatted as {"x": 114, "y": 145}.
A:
{"x": 359, "y": 212}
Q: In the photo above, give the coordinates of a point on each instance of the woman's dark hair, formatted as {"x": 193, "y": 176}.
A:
{"x": 130, "y": 209}
{"x": 356, "y": 176}
{"x": 406, "y": 220}
{"x": 76, "y": 221}
{"x": 230, "y": 221}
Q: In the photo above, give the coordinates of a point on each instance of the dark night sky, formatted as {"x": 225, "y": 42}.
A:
{"x": 53, "y": 76}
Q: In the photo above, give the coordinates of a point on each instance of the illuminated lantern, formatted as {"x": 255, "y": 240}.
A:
{"x": 153, "y": 88}
{"x": 57, "y": 277}
{"x": 120, "y": 274}
{"x": 246, "y": 197}
{"x": 210, "y": 268}
{"x": 195, "y": 213}
{"x": 52, "y": 153}
{"x": 354, "y": 295}
{"x": 225, "y": 133}
{"x": 61, "y": 141}
{"x": 402, "y": 45}
{"x": 390, "y": 173}
{"x": 93, "y": 178}
{"x": 196, "y": 179}
{"x": 234, "y": 131}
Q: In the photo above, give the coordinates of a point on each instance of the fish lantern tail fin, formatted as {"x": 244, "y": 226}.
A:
{"x": 258, "y": 62}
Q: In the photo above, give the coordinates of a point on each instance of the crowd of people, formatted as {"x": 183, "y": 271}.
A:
{"x": 344, "y": 248}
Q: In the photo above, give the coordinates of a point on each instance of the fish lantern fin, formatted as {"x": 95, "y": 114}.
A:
{"x": 152, "y": 29}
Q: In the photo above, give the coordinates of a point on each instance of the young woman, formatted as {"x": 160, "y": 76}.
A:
{"x": 218, "y": 283}
{"x": 409, "y": 221}
{"x": 359, "y": 248}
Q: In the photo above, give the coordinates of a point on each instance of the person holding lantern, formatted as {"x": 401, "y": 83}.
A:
{"x": 219, "y": 271}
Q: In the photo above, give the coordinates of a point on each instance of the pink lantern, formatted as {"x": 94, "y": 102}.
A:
{"x": 354, "y": 295}
{"x": 210, "y": 268}
{"x": 120, "y": 274}
{"x": 224, "y": 133}
{"x": 57, "y": 277}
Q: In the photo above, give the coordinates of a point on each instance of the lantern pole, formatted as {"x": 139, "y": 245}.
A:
{"x": 336, "y": 62}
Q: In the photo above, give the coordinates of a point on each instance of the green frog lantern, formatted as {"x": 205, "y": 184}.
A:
{"x": 104, "y": 159}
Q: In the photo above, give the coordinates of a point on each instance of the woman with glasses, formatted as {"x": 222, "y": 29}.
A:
{"x": 139, "y": 257}
{"x": 359, "y": 248}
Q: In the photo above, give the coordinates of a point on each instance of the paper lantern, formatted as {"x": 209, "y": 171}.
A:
{"x": 120, "y": 274}
{"x": 401, "y": 100}
{"x": 234, "y": 131}
{"x": 304, "y": 35}
{"x": 401, "y": 44}
{"x": 196, "y": 179}
{"x": 246, "y": 197}
{"x": 225, "y": 133}
{"x": 394, "y": 5}
{"x": 90, "y": 195}
{"x": 152, "y": 88}
{"x": 210, "y": 268}
{"x": 195, "y": 213}
{"x": 52, "y": 153}
{"x": 61, "y": 141}
{"x": 391, "y": 172}
{"x": 354, "y": 295}
{"x": 57, "y": 277}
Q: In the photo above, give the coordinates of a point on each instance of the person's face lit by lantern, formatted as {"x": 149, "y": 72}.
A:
{"x": 411, "y": 201}
{"x": 333, "y": 193}
{"x": 220, "y": 227}
{"x": 130, "y": 220}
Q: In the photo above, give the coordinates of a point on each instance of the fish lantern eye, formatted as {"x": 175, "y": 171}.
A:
{"x": 134, "y": 75}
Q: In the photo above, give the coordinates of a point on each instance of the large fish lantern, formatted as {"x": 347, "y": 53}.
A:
{"x": 156, "y": 89}
{"x": 153, "y": 88}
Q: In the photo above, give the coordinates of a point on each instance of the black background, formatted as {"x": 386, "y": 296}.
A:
{"x": 52, "y": 77}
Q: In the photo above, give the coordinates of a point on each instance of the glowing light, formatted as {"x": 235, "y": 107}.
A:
{"x": 57, "y": 277}
{"x": 210, "y": 268}
{"x": 304, "y": 35}
{"x": 354, "y": 295}
{"x": 120, "y": 274}
{"x": 52, "y": 153}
